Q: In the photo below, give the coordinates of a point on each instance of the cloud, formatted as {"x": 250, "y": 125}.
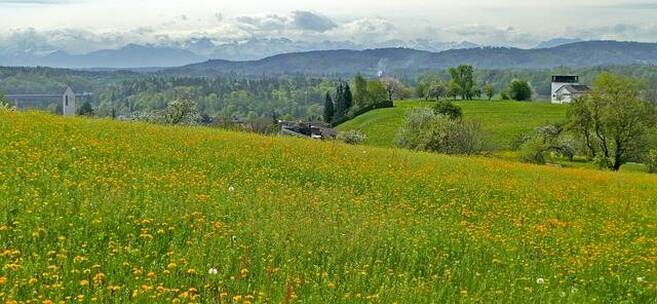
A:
{"x": 367, "y": 30}
{"x": 312, "y": 22}
{"x": 492, "y": 35}
{"x": 635, "y": 6}
{"x": 621, "y": 31}
{"x": 35, "y": 2}
{"x": 297, "y": 26}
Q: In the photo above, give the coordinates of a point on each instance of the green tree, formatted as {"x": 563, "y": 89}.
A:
{"x": 453, "y": 89}
{"x": 86, "y": 109}
{"x": 613, "y": 119}
{"x": 339, "y": 102}
{"x": 329, "y": 110}
{"x": 651, "y": 161}
{"x": 348, "y": 98}
{"x": 463, "y": 75}
{"x": 437, "y": 91}
{"x": 424, "y": 85}
{"x": 343, "y": 100}
{"x": 489, "y": 90}
{"x": 360, "y": 91}
{"x": 448, "y": 109}
{"x": 377, "y": 94}
{"x": 519, "y": 90}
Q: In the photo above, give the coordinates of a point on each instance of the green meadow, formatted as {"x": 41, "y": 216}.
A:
{"x": 503, "y": 120}
{"x": 98, "y": 211}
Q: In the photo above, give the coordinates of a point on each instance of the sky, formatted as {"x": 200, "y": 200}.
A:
{"x": 521, "y": 23}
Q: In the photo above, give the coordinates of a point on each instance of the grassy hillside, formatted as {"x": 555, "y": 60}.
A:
{"x": 502, "y": 119}
{"x": 94, "y": 210}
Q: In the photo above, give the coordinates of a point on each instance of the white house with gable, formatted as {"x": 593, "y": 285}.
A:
{"x": 565, "y": 88}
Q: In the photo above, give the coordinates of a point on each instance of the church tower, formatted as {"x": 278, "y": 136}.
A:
{"x": 68, "y": 103}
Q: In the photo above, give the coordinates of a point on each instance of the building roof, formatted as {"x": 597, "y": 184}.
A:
{"x": 576, "y": 88}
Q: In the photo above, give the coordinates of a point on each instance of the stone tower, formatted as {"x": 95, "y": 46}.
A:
{"x": 68, "y": 103}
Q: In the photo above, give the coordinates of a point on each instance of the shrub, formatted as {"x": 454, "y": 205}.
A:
{"x": 448, "y": 109}
{"x": 651, "y": 161}
{"x": 519, "y": 90}
{"x": 533, "y": 151}
{"x": 545, "y": 141}
{"x": 519, "y": 140}
{"x": 603, "y": 162}
{"x": 86, "y": 109}
{"x": 352, "y": 137}
{"x": 427, "y": 131}
{"x": 177, "y": 112}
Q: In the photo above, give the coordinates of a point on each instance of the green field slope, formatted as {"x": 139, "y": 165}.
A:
{"x": 108, "y": 212}
{"x": 504, "y": 120}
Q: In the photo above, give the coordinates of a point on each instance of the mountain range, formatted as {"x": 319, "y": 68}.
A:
{"x": 129, "y": 56}
{"x": 331, "y": 57}
{"x": 403, "y": 60}
{"x": 170, "y": 54}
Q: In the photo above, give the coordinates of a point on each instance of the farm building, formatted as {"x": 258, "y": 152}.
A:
{"x": 314, "y": 130}
{"x": 63, "y": 103}
{"x": 565, "y": 88}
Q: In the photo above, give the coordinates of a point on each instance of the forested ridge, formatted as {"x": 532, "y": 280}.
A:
{"x": 234, "y": 96}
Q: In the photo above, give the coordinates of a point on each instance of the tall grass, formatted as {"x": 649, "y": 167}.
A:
{"x": 107, "y": 212}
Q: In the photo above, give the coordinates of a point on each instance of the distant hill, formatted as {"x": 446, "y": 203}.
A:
{"x": 557, "y": 42}
{"x": 130, "y": 56}
{"x": 258, "y": 48}
{"x": 172, "y": 54}
{"x": 373, "y": 61}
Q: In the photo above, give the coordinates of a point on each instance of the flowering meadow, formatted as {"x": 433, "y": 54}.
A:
{"x": 97, "y": 211}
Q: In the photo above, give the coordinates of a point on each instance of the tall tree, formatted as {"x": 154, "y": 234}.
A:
{"x": 348, "y": 98}
{"x": 329, "y": 109}
{"x": 437, "y": 91}
{"x": 394, "y": 88}
{"x": 453, "y": 89}
{"x": 339, "y": 101}
{"x": 378, "y": 95}
{"x": 489, "y": 90}
{"x": 423, "y": 88}
{"x": 613, "y": 119}
{"x": 463, "y": 75}
{"x": 360, "y": 91}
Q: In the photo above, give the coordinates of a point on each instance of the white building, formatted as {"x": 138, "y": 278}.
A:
{"x": 568, "y": 93}
{"x": 565, "y": 88}
{"x": 68, "y": 103}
